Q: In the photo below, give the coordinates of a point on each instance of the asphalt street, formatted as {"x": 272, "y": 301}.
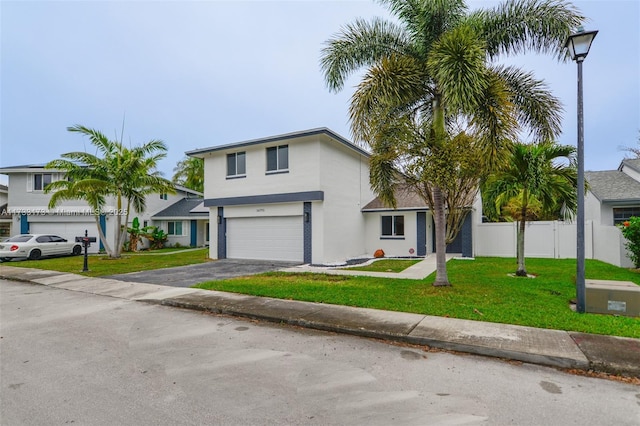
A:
{"x": 77, "y": 358}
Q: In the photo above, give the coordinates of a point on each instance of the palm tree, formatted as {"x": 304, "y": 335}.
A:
{"x": 431, "y": 80}
{"x": 534, "y": 183}
{"x": 189, "y": 172}
{"x": 127, "y": 174}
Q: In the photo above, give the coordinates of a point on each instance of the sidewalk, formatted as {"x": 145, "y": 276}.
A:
{"x": 554, "y": 348}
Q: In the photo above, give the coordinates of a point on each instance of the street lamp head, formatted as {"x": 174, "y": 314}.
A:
{"x": 579, "y": 44}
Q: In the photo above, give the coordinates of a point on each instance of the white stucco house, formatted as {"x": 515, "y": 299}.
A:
{"x": 613, "y": 195}
{"x": 305, "y": 197}
{"x": 27, "y": 205}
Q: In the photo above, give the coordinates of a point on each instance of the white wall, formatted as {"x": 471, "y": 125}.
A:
{"x": 393, "y": 247}
{"x": 553, "y": 240}
{"x": 341, "y": 171}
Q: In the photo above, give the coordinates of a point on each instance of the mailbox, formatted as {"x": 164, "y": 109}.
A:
{"x": 86, "y": 240}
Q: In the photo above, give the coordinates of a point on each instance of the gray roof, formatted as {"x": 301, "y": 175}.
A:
{"x": 405, "y": 200}
{"x": 183, "y": 209}
{"x": 632, "y": 163}
{"x": 294, "y": 135}
{"x": 613, "y": 186}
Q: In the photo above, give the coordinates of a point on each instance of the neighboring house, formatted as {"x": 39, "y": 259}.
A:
{"x": 5, "y": 216}
{"x": 304, "y": 197}
{"x": 613, "y": 195}
{"x": 28, "y": 206}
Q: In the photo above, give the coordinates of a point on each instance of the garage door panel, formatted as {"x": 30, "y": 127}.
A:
{"x": 68, "y": 231}
{"x": 266, "y": 238}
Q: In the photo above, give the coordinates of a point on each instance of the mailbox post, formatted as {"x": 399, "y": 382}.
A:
{"x": 86, "y": 242}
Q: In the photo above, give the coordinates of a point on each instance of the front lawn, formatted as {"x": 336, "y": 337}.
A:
{"x": 101, "y": 265}
{"x": 482, "y": 290}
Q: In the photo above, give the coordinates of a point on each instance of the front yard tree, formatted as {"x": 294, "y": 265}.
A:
{"x": 431, "y": 82}
{"x": 128, "y": 175}
{"x": 534, "y": 182}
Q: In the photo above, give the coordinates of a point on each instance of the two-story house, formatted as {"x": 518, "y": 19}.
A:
{"x": 305, "y": 197}
{"x": 27, "y": 203}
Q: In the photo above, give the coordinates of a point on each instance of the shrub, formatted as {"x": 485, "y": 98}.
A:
{"x": 631, "y": 231}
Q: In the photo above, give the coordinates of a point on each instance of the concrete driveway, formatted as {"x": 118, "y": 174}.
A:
{"x": 186, "y": 276}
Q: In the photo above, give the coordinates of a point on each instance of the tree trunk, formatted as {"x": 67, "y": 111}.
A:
{"x": 441, "y": 247}
{"x": 103, "y": 238}
{"x": 522, "y": 271}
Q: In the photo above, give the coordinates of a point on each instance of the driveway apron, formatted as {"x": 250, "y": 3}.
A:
{"x": 186, "y": 276}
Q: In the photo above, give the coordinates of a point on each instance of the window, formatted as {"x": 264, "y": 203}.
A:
{"x": 174, "y": 228}
{"x": 624, "y": 213}
{"x": 278, "y": 158}
{"x": 41, "y": 180}
{"x": 236, "y": 164}
{"x": 163, "y": 196}
{"x": 393, "y": 226}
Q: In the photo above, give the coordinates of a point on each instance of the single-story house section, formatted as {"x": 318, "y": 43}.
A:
{"x": 303, "y": 197}
{"x": 186, "y": 222}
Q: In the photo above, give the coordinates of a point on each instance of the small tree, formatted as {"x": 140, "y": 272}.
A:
{"x": 134, "y": 234}
{"x": 631, "y": 231}
{"x": 534, "y": 182}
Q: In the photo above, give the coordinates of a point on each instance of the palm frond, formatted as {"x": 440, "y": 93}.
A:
{"x": 518, "y": 26}
{"x": 536, "y": 107}
{"x": 359, "y": 44}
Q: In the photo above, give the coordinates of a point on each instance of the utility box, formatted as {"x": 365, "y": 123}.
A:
{"x": 612, "y": 297}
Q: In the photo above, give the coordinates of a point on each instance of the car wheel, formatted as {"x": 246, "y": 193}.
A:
{"x": 77, "y": 250}
{"x": 35, "y": 254}
{"x": 5, "y": 259}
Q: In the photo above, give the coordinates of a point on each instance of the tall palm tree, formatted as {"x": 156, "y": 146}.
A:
{"x": 189, "y": 172}
{"x": 534, "y": 182}
{"x": 127, "y": 174}
{"x": 431, "y": 79}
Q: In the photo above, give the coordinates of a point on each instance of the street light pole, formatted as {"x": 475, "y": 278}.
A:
{"x": 578, "y": 45}
{"x": 580, "y": 280}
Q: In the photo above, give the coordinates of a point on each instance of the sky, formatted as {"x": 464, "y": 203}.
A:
{"x": 197, "y": 74}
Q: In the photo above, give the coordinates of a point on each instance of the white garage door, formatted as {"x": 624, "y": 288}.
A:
{"x": 68, "y": 231}
{"x": 267, "y": 238}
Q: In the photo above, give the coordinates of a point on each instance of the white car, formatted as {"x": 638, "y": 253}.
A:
{"x": 35, "y": 246}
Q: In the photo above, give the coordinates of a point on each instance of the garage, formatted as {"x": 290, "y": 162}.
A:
{"x": 266, "y": 238}
{"x": 67, "y": 230}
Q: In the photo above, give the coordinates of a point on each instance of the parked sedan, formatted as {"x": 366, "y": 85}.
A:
{"x": 35, "y": 246}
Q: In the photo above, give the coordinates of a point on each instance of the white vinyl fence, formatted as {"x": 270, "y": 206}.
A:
{"x": 553, "y": 240}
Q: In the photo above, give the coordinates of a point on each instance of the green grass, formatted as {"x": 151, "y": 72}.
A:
{"x": 386, "y": 265}
{"x": 482, "y": 290}
{"x": 101, "y": 265}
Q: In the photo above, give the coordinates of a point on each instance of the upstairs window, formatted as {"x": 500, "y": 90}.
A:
{"x": 624, "y": 213}
{"x": 278, "y": 159}
{"x": 41, "y": 180}
{"x": 236, "y": 164}
{"x": 392, "y": 226}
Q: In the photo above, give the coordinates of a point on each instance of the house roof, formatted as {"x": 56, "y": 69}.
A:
{"x": 294, "y": 135}
{"x": 612, "y": 186}
{"x": 185, "y": 208}
{"x": 405, "y": 200}
{"x": 632, "y": 163}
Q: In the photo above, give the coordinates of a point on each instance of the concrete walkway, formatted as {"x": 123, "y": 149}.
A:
{"x": 533, "y": 345}
{"x": 419, "y": 271}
